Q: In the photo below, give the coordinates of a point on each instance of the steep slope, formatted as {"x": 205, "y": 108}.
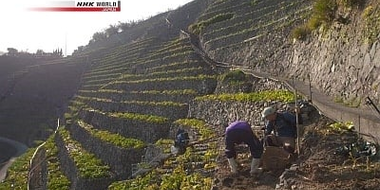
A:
{"x": 259, "y": 36}
{"x": 36, "y": 96}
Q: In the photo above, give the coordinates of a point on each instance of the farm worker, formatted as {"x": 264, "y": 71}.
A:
{"x": 241, "y": 132}
{"x": 283, "y": 125}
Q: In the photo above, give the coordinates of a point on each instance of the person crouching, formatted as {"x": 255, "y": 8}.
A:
{"x": 241, "y": 132}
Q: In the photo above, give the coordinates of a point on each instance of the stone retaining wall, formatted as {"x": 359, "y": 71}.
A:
{"x": 119, "y": 159}
{"x": 202, "y": 86}
{"x": 71, "y": 171}
{"x": 172, "y": 112}
{"x": 153, "y": 97}
{"x": 224, "y": 112}
{"x": 147, "y": 132}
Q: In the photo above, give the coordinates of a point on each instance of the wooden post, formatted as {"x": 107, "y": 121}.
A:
{"x": 296, "y": 111}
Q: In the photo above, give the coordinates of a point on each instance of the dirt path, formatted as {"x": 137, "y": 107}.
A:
{"x": 324, "y": 163}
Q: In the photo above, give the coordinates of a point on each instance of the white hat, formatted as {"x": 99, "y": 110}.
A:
{"x": 267, "y": 111}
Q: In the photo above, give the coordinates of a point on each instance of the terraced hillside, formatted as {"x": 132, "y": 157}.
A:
{"x": 128, "y": 99}
{"x": 35, "y": 95}
{"x": 238, "y": 31}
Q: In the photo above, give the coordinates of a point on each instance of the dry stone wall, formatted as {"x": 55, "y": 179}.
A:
{"x": 180, "y": 111}
{"x": 224, "y": 112}
{"x": 204, "y": 86}
{"x": 128, "y": 127}
{"x": 119, "y": 159}
{"x": 71, "y": 171}
{"x": 340, "y": 63}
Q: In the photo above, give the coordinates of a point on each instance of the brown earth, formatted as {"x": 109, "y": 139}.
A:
{"x": 322, "y": 164}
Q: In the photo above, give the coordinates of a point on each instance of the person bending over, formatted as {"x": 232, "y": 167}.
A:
{"x": 241, "y": 132}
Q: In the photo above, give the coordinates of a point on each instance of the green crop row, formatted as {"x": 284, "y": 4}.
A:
{"x": 112, "y": 138}
{"x": 201, "y": 126}
{"x": 168, "y": 92}
{"x": 110, "y": 75}
{"x": 304, "y": 14}
{"x": 249, "y": 17}
{"x": 276, "y": 95}
{"x": 162, "y": 103}
{"x": 199, "y": 77}
{"x": 173, "y": 64}
{"x": 175, "y": 55}
{"x": 158, "y": 74}
{"x": 55, "y": 179}
{"x": 88, "y": 165}
{"x": 140, "y": 117}
{"x": 178, "y": 172}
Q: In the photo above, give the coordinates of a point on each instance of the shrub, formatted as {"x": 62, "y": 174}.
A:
{"x": 301, "y": 32}
{"x": 313, "y": 23}
{"x": 324, "y": 10}
{"x": 371, "y": 29}
{"x": 233, "y": 76}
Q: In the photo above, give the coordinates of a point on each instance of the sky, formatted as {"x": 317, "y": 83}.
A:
{"x": 27, "y": 30}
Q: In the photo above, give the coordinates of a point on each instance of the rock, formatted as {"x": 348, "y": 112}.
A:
{"x": 228, "y": 182}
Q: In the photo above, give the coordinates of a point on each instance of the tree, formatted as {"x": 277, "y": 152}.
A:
{"x": 40, "y": 52}
{"x": 12, "y": 51}
{"x": 98, "y": 36}
{"x": 112, "y": 30}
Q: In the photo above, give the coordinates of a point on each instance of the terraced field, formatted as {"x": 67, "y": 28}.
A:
{"x": 142, "y": 86}
{"x": 133, "y": 97}
{"x": 242, "y": 38}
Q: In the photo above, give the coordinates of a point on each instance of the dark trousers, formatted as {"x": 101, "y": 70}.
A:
{"x": 238, "y": 136}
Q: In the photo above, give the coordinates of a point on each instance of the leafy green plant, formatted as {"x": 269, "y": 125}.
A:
{"x": 199, "y": 77}
{"x": 178, "y": 172}
{"x": 279, "y": 95}
{"x": 233, "y": 76}
{"x": 325, "y": 10}
{"x": 371, "y": 29}
{"x": 141, "y": 117}
{"x": 341, "y": 127}
{"x": 87, "y": 164}
{"x": 301, "y": 32}
{"x": 55, "y": 179}
{"x": 115, "y": 139}
{"x": 169, "y": 92}
{"x": 165, "y": 144}
{"x": 205, "y": 130}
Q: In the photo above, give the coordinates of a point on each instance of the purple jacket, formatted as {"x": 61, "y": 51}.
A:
{"x": 241, "y": 132}
{"x": 239, "y": 125}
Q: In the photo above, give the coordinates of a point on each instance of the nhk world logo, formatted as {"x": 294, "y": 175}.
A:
{"x": 80, "y": 6}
